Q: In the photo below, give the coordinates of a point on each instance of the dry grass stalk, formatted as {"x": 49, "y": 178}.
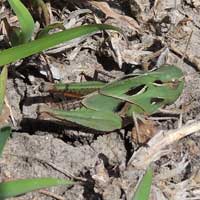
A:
{"x": 157, "y": 146}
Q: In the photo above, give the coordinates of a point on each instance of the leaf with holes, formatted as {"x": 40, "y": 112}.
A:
{"x": 105, "y": 108}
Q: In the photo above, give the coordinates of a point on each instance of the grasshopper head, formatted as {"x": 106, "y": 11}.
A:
{"x": 170, "y": 73}
{"x": 168, "y": 87}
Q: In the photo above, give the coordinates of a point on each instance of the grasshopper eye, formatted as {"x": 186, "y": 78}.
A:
{"x": 173, "y": 84}
{"x": 136, "y": 90}
{"x": 156, "y": 100}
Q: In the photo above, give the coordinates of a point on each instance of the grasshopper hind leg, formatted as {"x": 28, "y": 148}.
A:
{"x": 99, "y": 120}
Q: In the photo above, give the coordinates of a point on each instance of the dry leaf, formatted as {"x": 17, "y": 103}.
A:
{"x": 4, "y": 116}
{"x": 101, "y": 176}
{"x": 195, "y": 3}
{"x": 140, "y": 9}
{"x": 122, "y": 19}
{"x": 147, "y": 130}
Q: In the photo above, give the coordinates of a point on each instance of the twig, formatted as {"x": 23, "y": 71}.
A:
{"x": 52, "y": 165}
{"x": 157, "y": 145}
{"x": 11, "y": 113}
{"x": 51, "y": 194}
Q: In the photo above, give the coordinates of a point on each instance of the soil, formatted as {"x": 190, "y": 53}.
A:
{"x": 158, "y": 32}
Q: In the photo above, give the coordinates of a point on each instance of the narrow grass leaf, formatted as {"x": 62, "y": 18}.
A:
{"x": 5, "y": 132}
{"x": 42, "y": 5}
{"x": 21, "y": 51}
{"x": 3, "y": 79}
{"x": 22, "y": 186}
{"x": 25, "y": 20}
{"x": 143, "y": 189}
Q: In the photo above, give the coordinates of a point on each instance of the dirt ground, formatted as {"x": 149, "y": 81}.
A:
{"x": 158, "y": 32}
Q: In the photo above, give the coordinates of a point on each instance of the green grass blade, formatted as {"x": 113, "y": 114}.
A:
{"x": 22, "y": 186}
{"x": 3, "y": 79}
{"x": 143, "y": 189}
{"x": 25, "y": 20}
{"x": 5, "y": 132}
{"x": 12, "y": 54}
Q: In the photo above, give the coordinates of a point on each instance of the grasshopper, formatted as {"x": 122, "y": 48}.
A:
{"x": 104, "y": 106}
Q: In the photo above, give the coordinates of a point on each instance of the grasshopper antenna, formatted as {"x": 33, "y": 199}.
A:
{"x": 186, "y": 48}
{"x": 180, "y": 121}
